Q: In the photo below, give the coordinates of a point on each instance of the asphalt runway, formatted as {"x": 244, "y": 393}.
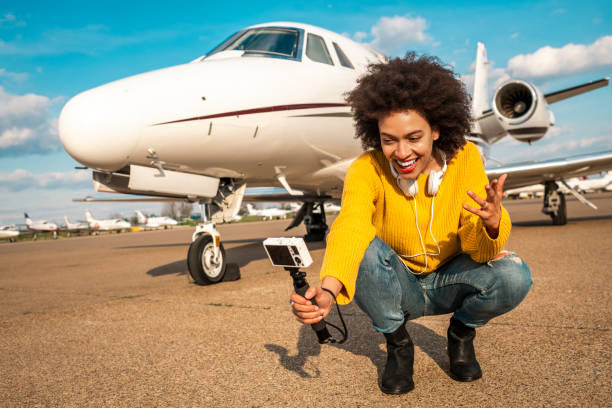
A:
{"x": 114, "y": 321}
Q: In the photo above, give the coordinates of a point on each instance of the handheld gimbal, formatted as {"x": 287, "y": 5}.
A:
{"x": 292, "y": 254}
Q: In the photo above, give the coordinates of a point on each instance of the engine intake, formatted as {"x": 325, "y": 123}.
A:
{"x": 515, "y": 101}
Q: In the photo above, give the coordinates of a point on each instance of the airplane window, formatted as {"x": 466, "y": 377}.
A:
{"x": 225, "y": 43}
{"x": 274, "y": 41}
{"x": 317, "y": 51}
{"x": 344, "y": 61}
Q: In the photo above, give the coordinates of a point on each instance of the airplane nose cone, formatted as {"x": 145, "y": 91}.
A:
{"x": 96, "y": 128}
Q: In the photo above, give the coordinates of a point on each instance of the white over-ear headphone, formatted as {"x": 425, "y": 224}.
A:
{"x": 410, "y": 187}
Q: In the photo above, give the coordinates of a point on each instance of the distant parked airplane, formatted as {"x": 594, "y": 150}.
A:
{"x": 9, "y": 231}
{"x": 331, "y": 207}
{"x": 589, "y": 185}
{"x": 115, "y": 224}
{"x": 268, "y": 213}
{"x": 155, "y": 222}
{"x": 40, "y": 226}
{"x": 75, "y": 227}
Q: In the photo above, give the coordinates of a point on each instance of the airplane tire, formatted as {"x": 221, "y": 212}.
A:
{"x": 561, "y": 217}
{"x": 200, "y": 262}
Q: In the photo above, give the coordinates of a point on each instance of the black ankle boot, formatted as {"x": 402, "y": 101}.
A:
{"x": 397, "y": 377}
{"x": 463, "y": 364}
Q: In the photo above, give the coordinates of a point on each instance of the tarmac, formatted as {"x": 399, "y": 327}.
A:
{"x": 114, "y": 321}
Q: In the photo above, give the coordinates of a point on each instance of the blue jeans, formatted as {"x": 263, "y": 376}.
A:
{"x": 389, "y": 293}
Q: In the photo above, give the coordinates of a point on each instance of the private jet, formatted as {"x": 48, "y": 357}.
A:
{"x": 40, "y": 226}
{"x": 75, "y": 227}
{"x": 155, "y": 222}
{"x": 594, "y": 184}
{"x": 266, "y": 108}
{"x": 9, "y": 232}
{"x": 331, "y": 207}
{"x": 269, "y": 213}
{"x": 115, "y": 224}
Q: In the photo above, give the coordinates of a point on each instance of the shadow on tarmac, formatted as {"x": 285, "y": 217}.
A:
{"x": 174, "y": 268}
{"x": 363, "y": 341}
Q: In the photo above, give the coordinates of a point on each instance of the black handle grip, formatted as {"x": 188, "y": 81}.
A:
{"x": 320, "y": 327}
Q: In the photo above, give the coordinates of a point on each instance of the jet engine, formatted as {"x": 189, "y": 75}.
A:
{"x": 522, "y": 111}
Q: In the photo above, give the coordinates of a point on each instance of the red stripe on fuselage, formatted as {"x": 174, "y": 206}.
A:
{"x": 258, "y": 110}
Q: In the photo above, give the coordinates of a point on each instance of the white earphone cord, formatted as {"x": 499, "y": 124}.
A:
{"x": 416, "y": 221}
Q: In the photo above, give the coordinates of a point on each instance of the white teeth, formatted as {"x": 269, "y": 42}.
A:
{"x": 406, "y": 164}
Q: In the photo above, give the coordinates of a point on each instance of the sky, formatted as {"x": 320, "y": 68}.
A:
{"x": 51, "y": 51}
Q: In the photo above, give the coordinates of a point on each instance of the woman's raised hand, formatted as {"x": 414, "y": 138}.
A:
{"x": 490, "y": 206}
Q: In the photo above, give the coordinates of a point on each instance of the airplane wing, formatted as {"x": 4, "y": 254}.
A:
{"x": 528, "y": 173}
{"x": 575, "y": 90}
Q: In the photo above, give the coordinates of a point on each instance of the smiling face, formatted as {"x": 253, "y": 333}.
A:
{"x": 407, "y": 142}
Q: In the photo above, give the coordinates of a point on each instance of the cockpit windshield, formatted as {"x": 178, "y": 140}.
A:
{"x": 273, "y": 41}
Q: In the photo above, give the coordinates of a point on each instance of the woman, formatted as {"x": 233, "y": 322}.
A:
{"x": 421, "y": 230}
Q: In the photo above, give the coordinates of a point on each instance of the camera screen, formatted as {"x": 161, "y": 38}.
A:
{"x": 280, "y": 255}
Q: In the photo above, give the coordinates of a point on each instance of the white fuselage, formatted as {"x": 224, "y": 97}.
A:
{"x": 269, "y": 213}
{"x": 78, "y": 226}
{"x": 106, "y": 225}
{"x": 228, "y": 115}
{"x": 8, "y": 231}
{"x": 41, "y": 226}
{"x": 595, "y": 184}
{"x": 155, "y": 222}
{"x": 158, "y": 222}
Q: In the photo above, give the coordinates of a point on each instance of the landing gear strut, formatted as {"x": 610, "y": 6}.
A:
{"x": 316, "y": 227}
{"x": 554, "y": 203}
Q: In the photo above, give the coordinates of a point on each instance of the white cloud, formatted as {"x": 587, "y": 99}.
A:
{"x": 13, "y": 76}
{"x": 514, "y": 35}
{"x": 25, "y": 127}
{"x": 392, "y": 35}
{"x": 22, "y": 180}
{"x": 568, "y": 60}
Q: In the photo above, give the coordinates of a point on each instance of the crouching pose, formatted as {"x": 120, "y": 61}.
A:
{"x": 421, "y": 230}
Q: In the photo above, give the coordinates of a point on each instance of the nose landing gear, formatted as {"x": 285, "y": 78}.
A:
{"x": 206, "y": 256}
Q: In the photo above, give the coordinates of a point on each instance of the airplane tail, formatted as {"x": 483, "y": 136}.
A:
{"x": 141, "y": 218}
{"x": 88, "y": 216}
{"x": 251, "y": 210}
{"x": 68, "y": 225}
{"x": 28, "y": 221}
{"x": 481, "y": 78}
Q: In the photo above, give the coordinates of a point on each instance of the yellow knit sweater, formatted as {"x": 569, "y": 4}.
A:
{"x": 373, "y": 204}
